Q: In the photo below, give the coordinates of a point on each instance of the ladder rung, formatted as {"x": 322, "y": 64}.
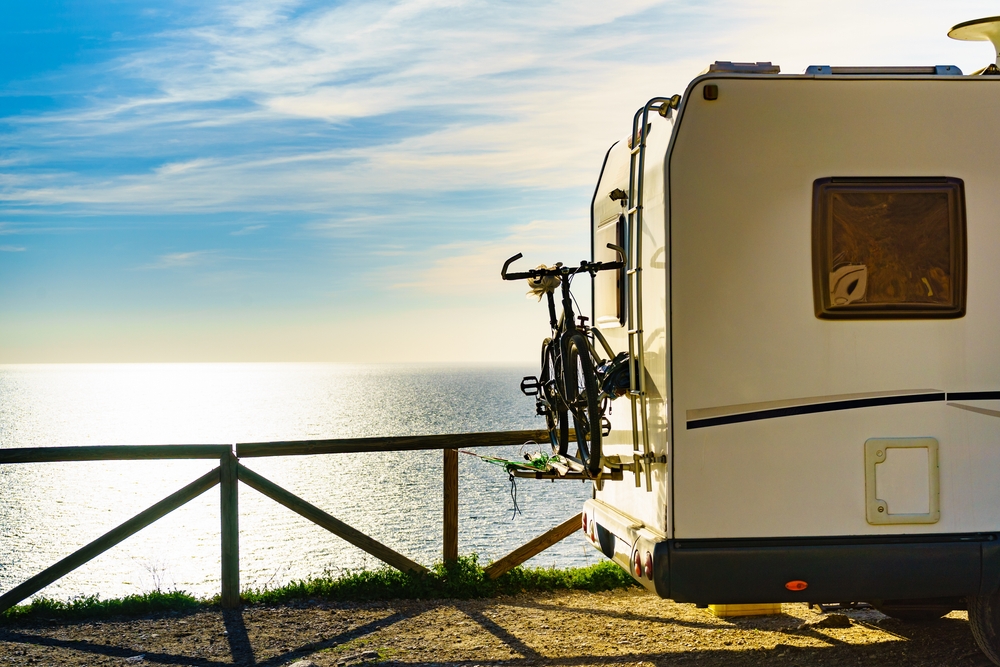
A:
{"x": 637, "y": 394}
{"x": 634, "y": 271}
{"x": 633, "y": 332}
{"x": 638, "y": 147}
{"x": 634, "y": 209}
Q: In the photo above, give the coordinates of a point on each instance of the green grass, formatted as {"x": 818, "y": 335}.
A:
{"x": 464, "y": 579}
{"x": 92, "y": 607}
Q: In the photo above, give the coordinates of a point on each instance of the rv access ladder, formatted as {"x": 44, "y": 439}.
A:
{"x": 643, "y": 458}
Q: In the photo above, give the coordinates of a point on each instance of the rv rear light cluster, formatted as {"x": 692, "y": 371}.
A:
{"x": 637, "y": 563}
{"x": 649, "y": 566}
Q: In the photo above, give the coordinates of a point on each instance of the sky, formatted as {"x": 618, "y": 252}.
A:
{"x": 341, "y": 181}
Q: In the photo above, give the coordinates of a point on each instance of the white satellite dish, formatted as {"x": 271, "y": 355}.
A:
{"x": 980, "y": 30}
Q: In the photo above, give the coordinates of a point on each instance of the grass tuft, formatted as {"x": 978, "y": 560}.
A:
{"x": 45, "y": 609}
{"x": 463, "y": 579}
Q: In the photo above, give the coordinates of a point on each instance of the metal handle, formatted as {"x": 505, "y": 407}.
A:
{"x": 621, "y": 252}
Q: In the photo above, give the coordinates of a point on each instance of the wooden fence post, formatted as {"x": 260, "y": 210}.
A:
{"x": 229, "y": 509}
{"x": 450, "y": 505}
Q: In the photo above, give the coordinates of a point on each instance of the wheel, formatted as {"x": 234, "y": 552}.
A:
{"x": 984, "y": 619}
{"x": 582, "y": 399}
{"x": 554, "y": 407}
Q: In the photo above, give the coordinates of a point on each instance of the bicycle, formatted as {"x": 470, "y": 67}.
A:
{"x": 575, "y": 382}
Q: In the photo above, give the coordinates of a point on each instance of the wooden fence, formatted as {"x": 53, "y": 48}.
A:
{"x": 230, "y": 472}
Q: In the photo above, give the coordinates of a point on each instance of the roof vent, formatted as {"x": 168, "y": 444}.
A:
{"x": 743, "y": 68}
{"x": 980, "y": 30}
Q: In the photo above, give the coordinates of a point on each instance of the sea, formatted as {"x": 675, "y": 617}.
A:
{"x": 48, "y": 510}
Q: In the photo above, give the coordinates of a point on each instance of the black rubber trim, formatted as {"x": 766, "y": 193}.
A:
{"x": 827, "y": 540}
{"x": 974, "y": 395}
{"x": 813, "y": 408}
{"x": 853, "y": 568}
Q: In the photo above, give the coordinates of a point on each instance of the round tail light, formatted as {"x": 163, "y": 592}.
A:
{"x": 637, "y": 563}
{"x": 649, "y": 566}
{"x": 584, "y": 523}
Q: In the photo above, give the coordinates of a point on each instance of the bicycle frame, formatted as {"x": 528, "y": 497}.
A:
{"x": 573, "y": 379}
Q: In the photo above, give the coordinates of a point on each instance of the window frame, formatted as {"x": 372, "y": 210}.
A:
{"x": 822, "y": 241}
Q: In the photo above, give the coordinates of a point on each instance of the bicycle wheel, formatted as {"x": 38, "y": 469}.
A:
{"x": 580, "y": 386}
{"x": 554, "y": 407}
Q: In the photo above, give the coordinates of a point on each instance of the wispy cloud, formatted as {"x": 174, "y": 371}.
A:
{"x": 12, "y": 248}
{"x": 473, "y": 268}
{"x": 284, "y": 106}
{"x": 178, "y": 260}
{"x": 409, "y": 145}
{"x": 249, "y": 229}
{"x": 499, "y": 99}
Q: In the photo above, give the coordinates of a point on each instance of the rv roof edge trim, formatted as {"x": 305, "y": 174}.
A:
{"x": 920, "y": 70}
{"x": 808, "y": 406}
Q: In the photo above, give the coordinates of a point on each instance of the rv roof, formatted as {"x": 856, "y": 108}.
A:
{"x": 726, "y": 66}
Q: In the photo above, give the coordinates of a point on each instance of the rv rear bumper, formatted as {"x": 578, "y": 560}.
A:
{"x": 833, "y": 569}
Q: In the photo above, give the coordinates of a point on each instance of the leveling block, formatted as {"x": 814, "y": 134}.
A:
{"x": 731, "y": 610}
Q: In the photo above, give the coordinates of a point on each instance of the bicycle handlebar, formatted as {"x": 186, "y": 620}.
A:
{"x": 560, "y": 270}
{"x": 503, "y": 271}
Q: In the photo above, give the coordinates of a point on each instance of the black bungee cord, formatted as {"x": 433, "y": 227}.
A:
{"x": 513, "y": 495}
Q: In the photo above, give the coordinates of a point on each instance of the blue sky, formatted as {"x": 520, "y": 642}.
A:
{"x": 306, "y": 181}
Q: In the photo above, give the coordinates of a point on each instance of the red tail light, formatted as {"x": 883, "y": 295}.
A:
{"x": 584, "y": 523}
{"x": 637, "y": 563}
{"x": 649, "y": 566}
{"x": 796, "y": 585}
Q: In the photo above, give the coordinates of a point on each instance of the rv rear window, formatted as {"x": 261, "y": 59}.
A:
{"x": 889, "y": 248}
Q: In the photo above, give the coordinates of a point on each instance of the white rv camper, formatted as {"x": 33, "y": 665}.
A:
{"x": 813, "y": 302}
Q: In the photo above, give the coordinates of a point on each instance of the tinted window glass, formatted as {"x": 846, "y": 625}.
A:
{"x": 889, "y": 248}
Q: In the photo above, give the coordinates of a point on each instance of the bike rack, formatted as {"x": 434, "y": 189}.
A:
{"x": 614, "y": 474}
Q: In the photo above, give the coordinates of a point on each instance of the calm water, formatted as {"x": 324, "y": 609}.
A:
{"x": 49, "y": 510}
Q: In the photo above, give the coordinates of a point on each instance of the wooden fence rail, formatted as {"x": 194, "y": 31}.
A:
{"x": 230, "y": 472}
{"x": 406, "y": 443}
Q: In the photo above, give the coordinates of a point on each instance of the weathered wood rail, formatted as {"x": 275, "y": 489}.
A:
{"x": 230, "y": 472}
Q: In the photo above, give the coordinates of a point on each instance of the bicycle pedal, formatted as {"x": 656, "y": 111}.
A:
{"x": 530, "y": 385}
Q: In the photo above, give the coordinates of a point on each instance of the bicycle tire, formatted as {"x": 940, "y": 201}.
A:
{"x": 556, "y": 420}
{"x": 581, "y": 391}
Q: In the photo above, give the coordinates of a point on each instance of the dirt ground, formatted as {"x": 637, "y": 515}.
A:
{"x": 624, "y": 628}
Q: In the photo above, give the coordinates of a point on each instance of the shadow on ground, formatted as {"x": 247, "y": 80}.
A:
{"x": 618, "y": 628}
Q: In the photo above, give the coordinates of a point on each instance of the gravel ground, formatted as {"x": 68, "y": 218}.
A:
{"x": 624, "y": 628}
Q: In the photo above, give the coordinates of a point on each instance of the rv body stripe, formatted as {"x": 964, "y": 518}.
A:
{"x": 974, "y": 395}
{"x": 814, "y": 408}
